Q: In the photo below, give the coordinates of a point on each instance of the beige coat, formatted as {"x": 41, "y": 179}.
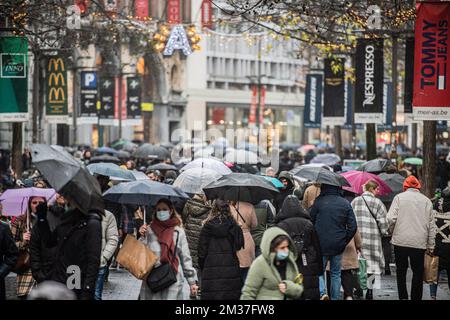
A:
{"x": 350, "y": 256}
{"x": 311, "y": 193}
{"x": 247, "y": 211}
{"x": 110, "y": 238}
{"x": 411, "y": 220}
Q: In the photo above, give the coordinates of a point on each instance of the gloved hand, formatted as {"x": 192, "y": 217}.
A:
{"x": 41, "y": 211}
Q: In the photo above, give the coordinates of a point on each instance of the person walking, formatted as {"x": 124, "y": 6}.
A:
{"x": 165, "y": 237}
{"x": 274, "y": 274}
{"x": 310, "y": 195}
{"x": 220, "y": 239}
{"x": 245, "y": 216}
{"x": 370, "y": 215}
{"x": 411, "y": 222}
{"x": 8, "y": 256}
{"x": 289, "y": 187}
{"x": 335, "y": 223}
{"x": 294, "y": 219}
{"x": 442, "y": 172}
{"x": 265, "y": 215}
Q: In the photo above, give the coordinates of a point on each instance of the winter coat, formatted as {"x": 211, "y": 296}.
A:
{"x": 265, "y": 215}
{"x": 186, "y": 275}
{"x": 289, "y": 190}
{"x": 310, "y": 195}
{"x": 263, "y": 278}
{"x": 411, "y": 220}
{"x": 219, "y": 243}
{"x": 8, "y": 251}
{"x": 297, "y": 223}
{"x": 79, "y": 243}
{"x": 334, "y": 220}
{"x": 350, "y": 256}
{"x": 110, "y": 238}
{"x": 442, "y": 248}
{"x": 370, "y": 228}
{"x": 247, "y": 212}
{"x": 194, "y": 212}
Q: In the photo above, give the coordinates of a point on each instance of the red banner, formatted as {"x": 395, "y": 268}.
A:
{"x": 173, "y": 11}
{"x": 252, "y": 115}
{"x": 263, "y": 104}
{"x": 207, "y": 14}
{"x": 431, "y": 93}
{"x": 141, "y": 9}
{"x": 83, "y": 5}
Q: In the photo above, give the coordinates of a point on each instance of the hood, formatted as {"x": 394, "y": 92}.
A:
{"x": 286, "y": 175}
{"x": 196, "y": 208}
{"x": 326, "y": 189}
{"x": 292, "y": 208}
{"x": 267, "y": 239}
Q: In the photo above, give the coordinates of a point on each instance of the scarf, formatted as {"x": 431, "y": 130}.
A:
{"x": 164, "y": 232}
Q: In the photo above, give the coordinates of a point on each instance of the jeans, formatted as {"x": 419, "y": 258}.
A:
{"x": 99, "y": 283}
{"x": 434, "y": 287}
{"x": 244, "y": 272}
{"x": 416, "y": 257}
{"x": 335, "y": 272}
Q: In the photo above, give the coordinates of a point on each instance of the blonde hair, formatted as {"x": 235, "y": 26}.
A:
{"x": 370, "y": 185}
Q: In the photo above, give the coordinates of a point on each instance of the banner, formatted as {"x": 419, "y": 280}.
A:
{"x": 388, "y": 105}
{"x": 263, "y": 105}
{"x": 173, "y": 11}
{"x": 369, "y": 81}
{"x": 253, "y": 105}
{"x": 107, "y": 100}
{"x": 88, "y": 101}
{"x": 409, "y": 75}
{"x": 207, "y": 14}
{"x": 313, "y": 101}
{"x": 349, "y": 92}
{"x": 334, "y": 94}
{"x": 13, "y": 79}
{"x": 141, "y": 9}
{"x": 134, "y": 99}
{"x": 431, "y": 92}
{"x": 56, "y": 90}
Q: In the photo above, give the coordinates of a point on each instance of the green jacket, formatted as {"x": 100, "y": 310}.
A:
{"x": 263, "y": 277}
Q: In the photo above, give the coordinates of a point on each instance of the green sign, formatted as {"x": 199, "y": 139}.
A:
{"x": 56, "y": 93}
{"x": 13, "y": 79}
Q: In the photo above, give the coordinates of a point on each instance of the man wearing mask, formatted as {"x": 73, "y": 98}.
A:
{"x": 442, "y": 172}
{"x": 288, "y": 189}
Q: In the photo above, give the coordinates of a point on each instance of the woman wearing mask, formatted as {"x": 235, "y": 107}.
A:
{"x": 161, "y": 236}
{"x": 274, "y": 274}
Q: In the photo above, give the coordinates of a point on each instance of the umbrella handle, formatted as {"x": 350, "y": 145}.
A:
{"x": 237, "y": 210}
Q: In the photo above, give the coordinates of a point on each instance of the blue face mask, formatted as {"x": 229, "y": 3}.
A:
{"x": 282, "y": 255}
{"x": 163, "y": 215}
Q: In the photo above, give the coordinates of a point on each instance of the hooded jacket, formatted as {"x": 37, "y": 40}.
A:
{"x": 334, "y": 220}
{"x": 263, "y": 278}
{"x": 297, "y": 223}
{"x": 220, "y": 239}
{"x": 279, "y": 199}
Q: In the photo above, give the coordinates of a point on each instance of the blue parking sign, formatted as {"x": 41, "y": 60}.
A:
{"x": 89, "y": 80}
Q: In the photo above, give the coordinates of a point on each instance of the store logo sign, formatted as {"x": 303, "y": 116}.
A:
{"x": 12, "y": 65}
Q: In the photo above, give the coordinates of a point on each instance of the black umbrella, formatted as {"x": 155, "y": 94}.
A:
{"x": 123, "y": 154}
{"x": 395, "y": 182}
{"x": 241, "y": 187}
{"x": 68, "y": 176}
{"x": 375, "y": 166}
{"x": 150, "y": 151}
{"x": 105, "y": 158}
{"x": 162, "y": 166}
{"x": 321, "y": 175}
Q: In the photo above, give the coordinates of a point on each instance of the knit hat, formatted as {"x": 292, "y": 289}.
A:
{"x": 411, "y": 182}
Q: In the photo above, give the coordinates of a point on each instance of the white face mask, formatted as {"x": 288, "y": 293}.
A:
{"x": 163, "y": 215}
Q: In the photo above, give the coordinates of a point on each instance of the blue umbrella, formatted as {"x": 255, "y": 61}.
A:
{"x": 106, "y": 150}
{"x": 277, "y": 183}
{"x": 111, "y": 170}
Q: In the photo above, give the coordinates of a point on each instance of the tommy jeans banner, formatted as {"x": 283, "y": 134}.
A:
{"x": 431, "y": 95}
{"x": 56, "y": 94}
{"x": 313, "y": 101}
{"x": 369, "y": 81}
{"x": 334, "y": 93}
{"x": 107, "y": 100}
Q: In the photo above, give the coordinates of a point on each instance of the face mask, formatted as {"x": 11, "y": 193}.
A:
{"x": 163, "y": 215}
{"x": 282, "y": 255}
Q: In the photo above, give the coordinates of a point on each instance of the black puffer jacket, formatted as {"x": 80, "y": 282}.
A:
{"x": 297, "y": 223}
{"x": 79, "y": 243}
{"x": 8, "y": 250}
{"x": 284, "y": 192}
{"x": 219, "y": 242}
{"x": 194, "y": 212}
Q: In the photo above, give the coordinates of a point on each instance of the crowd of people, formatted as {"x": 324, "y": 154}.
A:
{"x": 304, "y": 244}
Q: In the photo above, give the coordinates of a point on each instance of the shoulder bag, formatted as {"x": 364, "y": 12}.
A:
{"x": 373, "y": 216}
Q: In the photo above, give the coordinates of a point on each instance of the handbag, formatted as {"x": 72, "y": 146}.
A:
{"x": 431, "y": 269}
{"x": 23, "y": 262}
{"x": 164, "y": 275}
{"x": 362, "y": 272}
{"x": 136, "y": 257}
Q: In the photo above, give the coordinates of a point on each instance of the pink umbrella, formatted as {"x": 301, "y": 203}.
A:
{"x": 358, "y": 178}
{"x": 15, "y": 201}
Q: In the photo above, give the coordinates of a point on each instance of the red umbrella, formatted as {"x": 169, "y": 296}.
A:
{"x": 358, "y": 178}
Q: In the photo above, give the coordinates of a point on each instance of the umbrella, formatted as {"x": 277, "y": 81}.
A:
{"x": 125, "y": 145}
{"x": 241, "y": 187}
{"x": 205, "y": 152}
{"x": 208, "y": 163}
{"x": 111, "y": 170}
{"x": 138, "y": 175}
{"x": 195, "y": 179}
{"x": 143, "y": 192}
{"x": 395, "y": 182}
{"x": 105, "y": 158}
{"x": 105, "y": 150}
{"x": 305, "y": 148}
{"x": 15, "y": 201}
{"x": 123, "y": 154}
{"x": 241, "y": 156}
{"x": 320, "y": 175}
{"x": 148, "y": 150}
{"x": 313, "y": 165}
{"x": 162, "y": 166}
{"x": 329, "y": 159}
{"x": 375, "y": 166}
{"x": 277, "y": 183}
{"x": 414, "y": 161}
{"x": 68, "y": 177}
{"x": 358, "y": 178}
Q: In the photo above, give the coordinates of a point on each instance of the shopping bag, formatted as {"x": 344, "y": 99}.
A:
{"x": 430, "y": 274}
{"x": 362, "y": 272}
{"x": 136, "y": 257}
